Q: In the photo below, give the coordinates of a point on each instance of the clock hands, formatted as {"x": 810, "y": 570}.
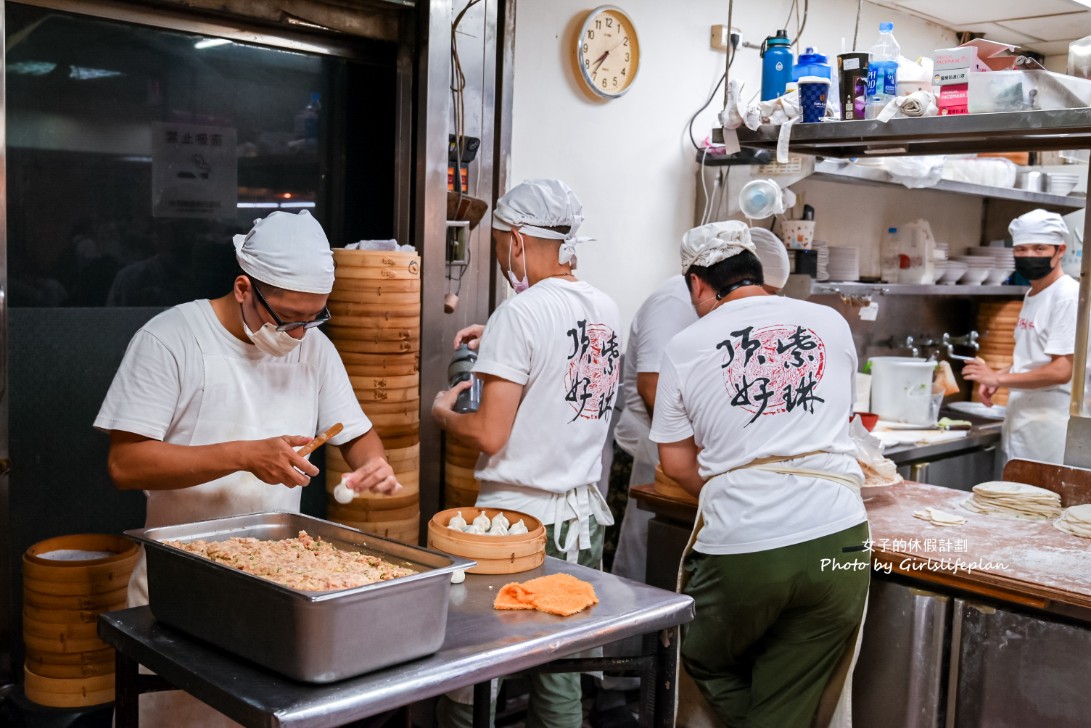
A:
{"x": 599, "y": 61}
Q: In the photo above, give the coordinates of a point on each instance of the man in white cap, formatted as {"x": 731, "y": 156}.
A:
{"x": 752, "y": 417}
{"x": 213, "y": 397}
{"x": 1040, "y": 376}
{"x": 548, "y": 358}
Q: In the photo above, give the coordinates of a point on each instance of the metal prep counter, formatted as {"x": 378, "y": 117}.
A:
{"x": 956, "y": 463}
{"x": 481, "y": 643}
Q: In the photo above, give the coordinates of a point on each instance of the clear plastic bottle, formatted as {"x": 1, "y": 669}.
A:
{"x": 882, "y": 76}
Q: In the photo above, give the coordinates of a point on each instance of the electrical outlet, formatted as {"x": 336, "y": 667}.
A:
{"x": 719, "y": 39}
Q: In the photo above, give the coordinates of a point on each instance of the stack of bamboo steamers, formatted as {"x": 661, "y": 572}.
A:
{"x": 996, "y": 321}
{"x": 375, "y": 305}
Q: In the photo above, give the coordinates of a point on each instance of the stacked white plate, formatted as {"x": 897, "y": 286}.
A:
{"x": 844, "y": 264}
{"x": 942, "y": 251}
{"x": 1061, "y": 183}
{"x": 1014, "y": 500}
{"x": 1076, "y": 520}
{"x": 823, "y": 250}
{"x": 978, "y": 268}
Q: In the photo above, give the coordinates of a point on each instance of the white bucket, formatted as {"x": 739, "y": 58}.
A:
{"x": 901, "y": 389}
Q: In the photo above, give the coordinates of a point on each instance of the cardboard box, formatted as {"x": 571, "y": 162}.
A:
{"x": 964, "y": 56}
{"x": 953, "y": 100}
{"x": 951, "y": 76}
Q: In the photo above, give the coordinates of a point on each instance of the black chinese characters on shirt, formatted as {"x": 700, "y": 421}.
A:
{"x": 591, "y": 378}
{"x": 773, "y": 370}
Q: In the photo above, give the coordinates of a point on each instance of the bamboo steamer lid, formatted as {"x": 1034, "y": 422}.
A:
{"x": 405, "y": 530}
{"x": 376, "y": 286}
{"x": 68, "y": 693}
{"x": 354, "y": 346}
{"x": 493, "y": 554}
{"x": 380, "y": 334}
{"x": 459, "y": 498}
{"x": 669, "y": 488}
{"x": 382, "y": 258}
{"x": 75, "y": 576}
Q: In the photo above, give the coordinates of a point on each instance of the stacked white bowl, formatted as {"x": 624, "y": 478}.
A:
{"x": 978, "y": 268}
{"x": 949, "y": 271}
{"x": 844, "y": 264}
{"x": 1003, "y": 263}
{"x": 1061, "y": 183}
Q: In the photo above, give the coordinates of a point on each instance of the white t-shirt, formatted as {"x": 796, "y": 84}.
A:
{"x": 158, "y": 389}
{"x": 666, "y": 312}
{"x": 1047, "y": 328}
{"x": 760, "y": 377}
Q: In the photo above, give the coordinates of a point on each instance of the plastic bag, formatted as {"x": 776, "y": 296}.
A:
{"x": 915, "y": 172}
{"x": 869, "y": 451}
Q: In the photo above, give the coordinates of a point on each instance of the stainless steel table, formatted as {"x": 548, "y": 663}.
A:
{"x": 481, "y": 643}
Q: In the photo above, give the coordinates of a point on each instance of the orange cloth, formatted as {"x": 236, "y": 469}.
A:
{"x": 561, "y": 594}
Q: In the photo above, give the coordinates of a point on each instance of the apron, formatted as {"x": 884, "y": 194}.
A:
{"x": 1036, "y": 425}
{"x": 283, "y": 408}
{"x": 631, "y": 556}
{"x": 835, "y": 706}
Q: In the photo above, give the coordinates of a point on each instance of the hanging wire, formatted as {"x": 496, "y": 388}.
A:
{"x": 458, "y": 104}
{"x": 856, "y": 30}
{"x": 730, "y": 59}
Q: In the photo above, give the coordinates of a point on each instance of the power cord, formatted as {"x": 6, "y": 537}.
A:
{"x": 734, "y": 39}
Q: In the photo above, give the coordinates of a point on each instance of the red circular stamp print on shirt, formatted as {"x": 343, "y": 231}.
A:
{"x": 773, "y": 370}
{"x": 592, "y": 375}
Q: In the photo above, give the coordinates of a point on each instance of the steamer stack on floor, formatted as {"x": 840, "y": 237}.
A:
{"x": 996, "y": 321}
{"x": 460, "y": 485}
{"x": 375, "y": 304}
{"x": 67, "y": 582}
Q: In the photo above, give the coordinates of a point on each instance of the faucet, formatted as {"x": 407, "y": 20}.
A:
{"x": 908, "y": 342}
{"x": 969, "y": 340}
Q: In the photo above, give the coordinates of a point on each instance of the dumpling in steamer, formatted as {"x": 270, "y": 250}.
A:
{"x": 518, "y": 528}
{"x": 498, "y": 529}
{"x": 474, "y": 528}
{"x": 457, "y": 522}
{"x": 482, "y": 521}
{"x": 500, "y": 520}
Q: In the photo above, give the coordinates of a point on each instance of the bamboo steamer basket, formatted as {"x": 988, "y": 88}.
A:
{"x": 408, "y": 455}
{"x": 380, "y": 502}
{"x": 459, "y": 497}
{"x": 406, "y": 530}
{"x": 68, "y": 693}
{"x": 404, "y": 369}
{"x": 63, "y": 645}
{"x": 395, "y": 432}
{"x": 83, "y": 669}
{"x": 360, "y": 304}
{"x": 391, "y": 382}
{"x": 374, "y": 315}
{"x": 395, "y": 419}
{"x": 410, "y": 452}
{"x": 401, "y": 346}
{"x": 348, "y": 257}
{"x": 667, "y": 487}
{"x": 357, "y": 512}
{"x": 386, "y": 394}
{"x": 36, "y": 658}
{"x": 397, "y": 272}
{"x": 493, "y": 554}
{"x": 461, "y": 482}
{"x": 99, "y": 601}
{"x": 460, "y": 474}
{"x": 68, "y": 616}
{"x": 409, "y": 479}
{"x": 79, "y": 577}
{"x": 391, "y": 408}
{"x": 401, "y": 441}
{"x": 375, "y": 287}
{"x": 59, "y": 630}
{"x": 384, "y": 364}
{"x": 379, "y": 334}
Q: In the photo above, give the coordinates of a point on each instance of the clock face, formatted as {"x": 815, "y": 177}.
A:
{"x": 608, "y": 52}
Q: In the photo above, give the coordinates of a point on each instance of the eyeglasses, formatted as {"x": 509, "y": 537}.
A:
{"x": 322, "y": 317}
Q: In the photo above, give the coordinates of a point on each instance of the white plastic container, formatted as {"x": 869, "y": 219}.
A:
{"x": 908, "y": 253}
{"x": 901, "y": 389}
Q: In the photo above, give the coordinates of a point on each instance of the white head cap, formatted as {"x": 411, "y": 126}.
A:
{"x": 773, "y": 255}
{"x": 287, "y": 251}
{"x": 716, "y": 241}
{"x": 1038, "y": 226}
{"x": 538, "y": 204}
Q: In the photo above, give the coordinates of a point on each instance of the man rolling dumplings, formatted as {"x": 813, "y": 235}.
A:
{"x": 213, "y": 397}
{"x": 752, "y": 417}
{"x": 548, "y": 358}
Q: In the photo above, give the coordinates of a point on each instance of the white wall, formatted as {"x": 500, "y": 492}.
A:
{"x": 630, "y": 159}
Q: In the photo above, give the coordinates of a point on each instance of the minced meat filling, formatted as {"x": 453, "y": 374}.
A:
{"x": 302, "y": 563}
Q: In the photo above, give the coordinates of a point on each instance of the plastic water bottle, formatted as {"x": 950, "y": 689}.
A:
{"x": 882, "y": 75}
{"x": 776, "y": 65}
{"x": 811, "y": 63}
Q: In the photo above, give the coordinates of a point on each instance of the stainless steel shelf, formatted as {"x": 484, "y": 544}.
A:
{"x": 1023, "y": 131}
{"x": 830, "y": 171}
{"x": 905, "y": 289}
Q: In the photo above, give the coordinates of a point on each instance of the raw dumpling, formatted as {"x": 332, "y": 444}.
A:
{"x": 500, "y": 520}
{"x": 474, "y": 528}
{"x": 457, "y": 522}
{"x": 518, "y": 528}
{"x": 343, "y": 494}
{"x": 498, "y": 529}
{"x": 482, "y": 521}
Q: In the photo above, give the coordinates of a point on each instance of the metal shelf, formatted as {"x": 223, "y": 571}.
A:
{"x": 1020, "y": 131}
{"x": 906, "y": 289}
{"x": 830, "y": 171}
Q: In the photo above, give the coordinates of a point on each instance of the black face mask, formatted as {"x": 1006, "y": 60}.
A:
{"x": 1033, "y": 268}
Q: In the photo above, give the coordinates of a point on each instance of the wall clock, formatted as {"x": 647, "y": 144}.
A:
{"x": 608, "y": 52}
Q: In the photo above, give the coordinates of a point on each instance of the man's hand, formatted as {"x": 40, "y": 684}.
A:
{"x": 986, "y": 393}
{"x": 276, "y": 462}
{"x": 471, "y": 336}
{"x": 444, "y": 403}
{"x": 375, "y": 475}
{"x": 980, "y": 372}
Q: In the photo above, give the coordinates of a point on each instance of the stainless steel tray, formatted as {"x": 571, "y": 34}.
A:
{"x": 314, "y": 637}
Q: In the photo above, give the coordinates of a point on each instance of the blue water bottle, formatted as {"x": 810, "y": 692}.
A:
{"x": 811, "y": 63}
{"x": 776, "y": 65}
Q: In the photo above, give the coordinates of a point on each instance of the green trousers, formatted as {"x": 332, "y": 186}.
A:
{"x": 556, "y": 699}
{"x": 772, "y": 625}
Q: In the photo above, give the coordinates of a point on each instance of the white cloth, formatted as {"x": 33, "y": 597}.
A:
{"x": 539, "y": 204}
{"x": 559, "y": 340}
{"x": 1038, "y": 226}
{"x": 773, "y": 254}
{"x": 186, "y": 380}
{"x": 287, "y": 251}
{"x": 709, "y": 244}
{"x": 1037, "y": 419}
{"x": 760, "y": 377}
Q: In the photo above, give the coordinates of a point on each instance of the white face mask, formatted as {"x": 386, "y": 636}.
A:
{"x": 518, "y": 284}
{"x": 270, "y": 341}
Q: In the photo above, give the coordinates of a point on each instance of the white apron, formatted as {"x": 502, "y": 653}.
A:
{"x": 1036, "y": 425}
{"x": 631, "y": 556}
{"x": 287, "y": 405}
{"x": 835, "y": 706}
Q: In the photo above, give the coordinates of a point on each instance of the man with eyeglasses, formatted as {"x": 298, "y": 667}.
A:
{"x": 214, "y": 396}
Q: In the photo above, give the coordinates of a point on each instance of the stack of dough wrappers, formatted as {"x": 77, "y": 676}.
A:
{"x": 1076, "y": 520}
{"x": 1014, "y": 500}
